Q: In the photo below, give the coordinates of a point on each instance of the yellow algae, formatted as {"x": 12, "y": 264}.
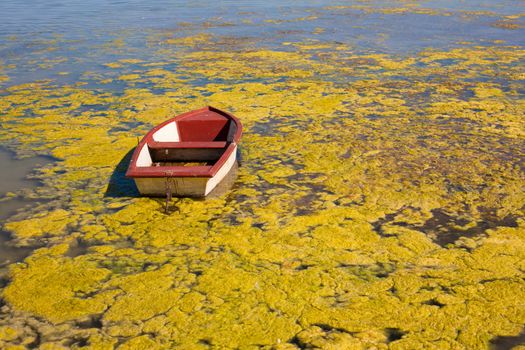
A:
{"x": 50, "y": 63}
{"x": 316, "y": 45}
{"x": 122, "y": 62}
{"x": 258, "y": 63}
{"x": 316, "y": 337}
{"x": 99, "y": 342}
{"x": 190, "y": 41}
{"x": 484, "y": 92}
{"x": 378, "y": 211}
{"x": 142, "y": 342}
{"x": 51, "y": 346}
{"x": 507, "y": 24}
{"x": 145, "y": 295}
{"x": 131, "y": 61}
{"x": 115, "y": 43}
{"x": 113, "y": 65}
{"x": 57, "y": 289}
{"x": 129, "y": 77}
{"x": 8, "y": 333}
{"x": 46, "y": 224}
{"x": 15, "y": 347}
{"x": 403, "y": 7}
{"x": 297, "y": 19}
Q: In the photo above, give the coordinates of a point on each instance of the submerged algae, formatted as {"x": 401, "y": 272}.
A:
{"x": 353, "y": 166}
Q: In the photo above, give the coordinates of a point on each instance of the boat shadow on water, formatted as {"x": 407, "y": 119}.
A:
{"x": 120, "y": 185}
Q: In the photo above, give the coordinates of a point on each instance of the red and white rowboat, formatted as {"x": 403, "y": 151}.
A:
{"x": 187, "y": 155}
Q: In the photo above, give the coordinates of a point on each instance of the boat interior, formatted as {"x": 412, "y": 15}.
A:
{"x": 193, "y": 141}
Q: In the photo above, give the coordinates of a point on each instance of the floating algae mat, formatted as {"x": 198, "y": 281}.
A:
{"x": 379, "y": 201}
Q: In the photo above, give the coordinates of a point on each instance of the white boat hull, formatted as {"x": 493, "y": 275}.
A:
{"x": 184, "y": 186}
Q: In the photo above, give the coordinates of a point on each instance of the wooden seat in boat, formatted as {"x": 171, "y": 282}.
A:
{"x": 186, "y": 144}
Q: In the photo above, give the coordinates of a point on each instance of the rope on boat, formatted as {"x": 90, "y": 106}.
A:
{"x": 169, "y": 183}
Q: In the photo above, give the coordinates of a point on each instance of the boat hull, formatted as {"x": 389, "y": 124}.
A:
{"x": 184, "y": 186}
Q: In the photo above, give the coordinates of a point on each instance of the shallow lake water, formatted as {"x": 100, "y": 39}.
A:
{"x": 13, "y": 178}
{"x": 379, "y": 201}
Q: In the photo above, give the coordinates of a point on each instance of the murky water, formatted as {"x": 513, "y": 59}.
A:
{"x": 71, "y": 40}
{"x": 14, "y": 175}
{"x": 13, "y": 178}
{"x": 379, "y": 202}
